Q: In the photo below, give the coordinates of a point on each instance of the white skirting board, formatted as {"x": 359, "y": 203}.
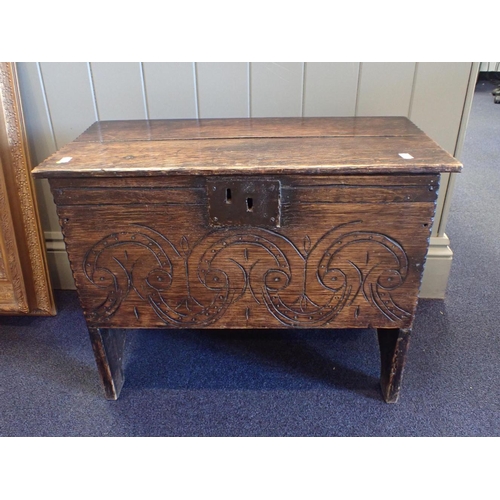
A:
{"x": 61, "y": 276}
{"x": 434, "y": 283}
{"x": 437, "y": 269}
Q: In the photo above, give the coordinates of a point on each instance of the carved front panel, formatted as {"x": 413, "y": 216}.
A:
{"x": 349, "y": 253}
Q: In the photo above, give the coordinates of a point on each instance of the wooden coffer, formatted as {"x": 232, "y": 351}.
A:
{"x": 248, "y": 223}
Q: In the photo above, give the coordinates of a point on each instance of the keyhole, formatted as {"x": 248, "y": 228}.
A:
{"x": 228, "y": 196}
{"x": 249, "y": 204}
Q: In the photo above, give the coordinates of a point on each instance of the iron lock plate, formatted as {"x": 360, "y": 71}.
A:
{"x": 243, "y": 202}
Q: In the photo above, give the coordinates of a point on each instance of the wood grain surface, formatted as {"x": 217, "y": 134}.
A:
{"x": 291, "y": 146}
{"x": 153, "y": 260}
{"x": 238, "y": 128}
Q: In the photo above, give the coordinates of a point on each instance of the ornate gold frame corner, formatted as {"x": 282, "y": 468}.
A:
{"x": 25, "y": 256}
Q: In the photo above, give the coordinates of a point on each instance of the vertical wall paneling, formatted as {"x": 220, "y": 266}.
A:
{"x": 41, "y": 139}
{"x": 197, "y": 100}
{"x": 170, "y": 89}
{"x": 489, "y": 66}
{"x": 474, "y": 73}
{"x": 443, "y": 87}
{"x": 70, "y": 100}
{"x": 143, "y": 85}
{"x": 222, "y": 89}
{"x": 385, "y": 89}
{"x": 249, "y": 73}
{"x": 474, "y": 70}
{"x": 303, "y": 92}
{"x": 330, "y": 89}
{"x": 92, "y": 90}
{"x": 37, "y": 120}
{"x": 118, "y": 90}
{"x": 276, "y": 89}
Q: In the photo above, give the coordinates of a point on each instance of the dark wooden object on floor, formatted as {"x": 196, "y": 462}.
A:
{"x": 108, "y": 346}
{"x": 248, "y": 223}
{"x": 393, "y": 345}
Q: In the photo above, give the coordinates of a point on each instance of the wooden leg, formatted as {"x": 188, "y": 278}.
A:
{"x": 108, "y": 345}
{"x": 393, "y": 343}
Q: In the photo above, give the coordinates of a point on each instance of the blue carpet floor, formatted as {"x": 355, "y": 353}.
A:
{"x": 285, "y": 383}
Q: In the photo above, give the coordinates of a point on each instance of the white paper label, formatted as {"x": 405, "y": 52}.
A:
{"x": 66, "y": 159}
{"x": 406, "y": 156}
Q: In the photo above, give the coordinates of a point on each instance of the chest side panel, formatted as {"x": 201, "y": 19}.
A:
{"x": 348, "y": 251}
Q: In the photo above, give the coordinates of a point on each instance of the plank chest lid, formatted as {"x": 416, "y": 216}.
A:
{"x": 248, "y": 146}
